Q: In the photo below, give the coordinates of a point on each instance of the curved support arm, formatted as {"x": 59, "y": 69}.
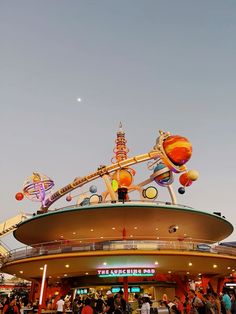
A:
{"x": 100, "y": 172}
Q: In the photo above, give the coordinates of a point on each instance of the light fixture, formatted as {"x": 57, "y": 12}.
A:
{"x": 41, "y": 268}
{"x": 156, "y": 263}
{"x": 158, "y": 238}
{"x": 74, "y": 232}
{"x": 131, "y": 236}
{"x": 104, "y": 263}
{"x": 65, "y": 275}
{"x": 214, "y": 266}
{"x": 228, "y": 267}
{"x": 135, "y": 228}
{"x": 113, "y": 228}
{"x": 169, "y": 272}
{"x": 173, "y": 228}
{"x": 21, "y": 271}
{"x": 61, "y": 236}
{"x": 91, "y": 230}
{"x": 156, "y": 229}
{"x": 187, "y": 273}
{"x": 86, "y": 273}
{"x": 190, "y": 264}
{"x": 101, "y": 237}
{"x": 67, "y": 265}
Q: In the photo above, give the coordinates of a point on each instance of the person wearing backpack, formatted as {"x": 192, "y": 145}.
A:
{"x": 11, "y": 308}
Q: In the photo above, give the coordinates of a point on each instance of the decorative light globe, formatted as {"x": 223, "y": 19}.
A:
{"x": 93, "y": 189}
{"x": 69, "y": 198}
{"x": 19, "y": 196}
{"x": 150, "y": 192}
{"x": 192, "y": 175}
{"x": 184, "y": 180}
{"x": 181, "y": 190}
{"x": 178, "y": 149}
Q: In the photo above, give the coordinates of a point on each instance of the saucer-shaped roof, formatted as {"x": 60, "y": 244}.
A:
{"x": 131, "y": 220}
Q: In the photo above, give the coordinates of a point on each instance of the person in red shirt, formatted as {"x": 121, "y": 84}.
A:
{"x": 11, "y": 307}
{"x": 87, "y": 309}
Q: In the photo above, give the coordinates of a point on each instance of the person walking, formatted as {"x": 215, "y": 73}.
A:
{"x": 110, "y": 306}
{"x": 226, "y": 301}
{"x": 60, "y": 305}
{"x": 145, "y": 308}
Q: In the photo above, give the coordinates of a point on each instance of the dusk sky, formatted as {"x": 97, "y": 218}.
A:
{"x": 168, "y": 65}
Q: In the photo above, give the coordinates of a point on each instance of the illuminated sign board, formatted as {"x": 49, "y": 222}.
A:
{"x": 230, "y": 284}
{"x": 125, "y": 272}
{"x": 82, "y": 291}
{"x": 131, "y": 289}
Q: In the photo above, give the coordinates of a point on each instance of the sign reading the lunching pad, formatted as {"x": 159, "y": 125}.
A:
{"x": 125, "y": 272}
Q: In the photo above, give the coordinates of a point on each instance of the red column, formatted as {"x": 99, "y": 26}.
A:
{"x": 32, "y": 291}
{"x": 126, "y": 285}
{"x": 220, "y": 285}
{"x": 205, "y": 281}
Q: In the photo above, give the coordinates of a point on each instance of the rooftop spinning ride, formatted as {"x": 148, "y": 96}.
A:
{"x": 106, "y": 238}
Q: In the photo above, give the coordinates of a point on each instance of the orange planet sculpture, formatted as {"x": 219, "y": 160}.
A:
{"x": 178, "y": 149}
{"x": 123, "y": 177}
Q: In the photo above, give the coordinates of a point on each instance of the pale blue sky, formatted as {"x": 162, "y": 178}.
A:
{"x": 151, "y": 64}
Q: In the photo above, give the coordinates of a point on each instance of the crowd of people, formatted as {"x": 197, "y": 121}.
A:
{"x": 203, "y": 303}
{"x": 16, "y": 305}
{"x": 194, "y": 302}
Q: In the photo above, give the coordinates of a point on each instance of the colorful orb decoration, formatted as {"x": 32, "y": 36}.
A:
{"x": 123, "y": 177}
{"x": 162, "y": 175}
{"x": 37, "y": 186}
{"x": 19, "y": 196}
{"x": 184, "y": 180}
{"x": 192, "y": 175}
{"x": 178, "y": 149}
{"x": 93, "y": 189}
{"x": 150, "y": 193}
{"x": 181, "y": 190}
{"x": 69, "y": 198}
{"x": 95, "y": 199}
{"x": 114, "y": 185}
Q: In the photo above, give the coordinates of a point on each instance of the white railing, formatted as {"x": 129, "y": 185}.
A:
{"x": 58, "y": 247}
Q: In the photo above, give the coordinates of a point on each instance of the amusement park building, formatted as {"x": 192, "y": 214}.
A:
{"x": 110, "y": 240}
